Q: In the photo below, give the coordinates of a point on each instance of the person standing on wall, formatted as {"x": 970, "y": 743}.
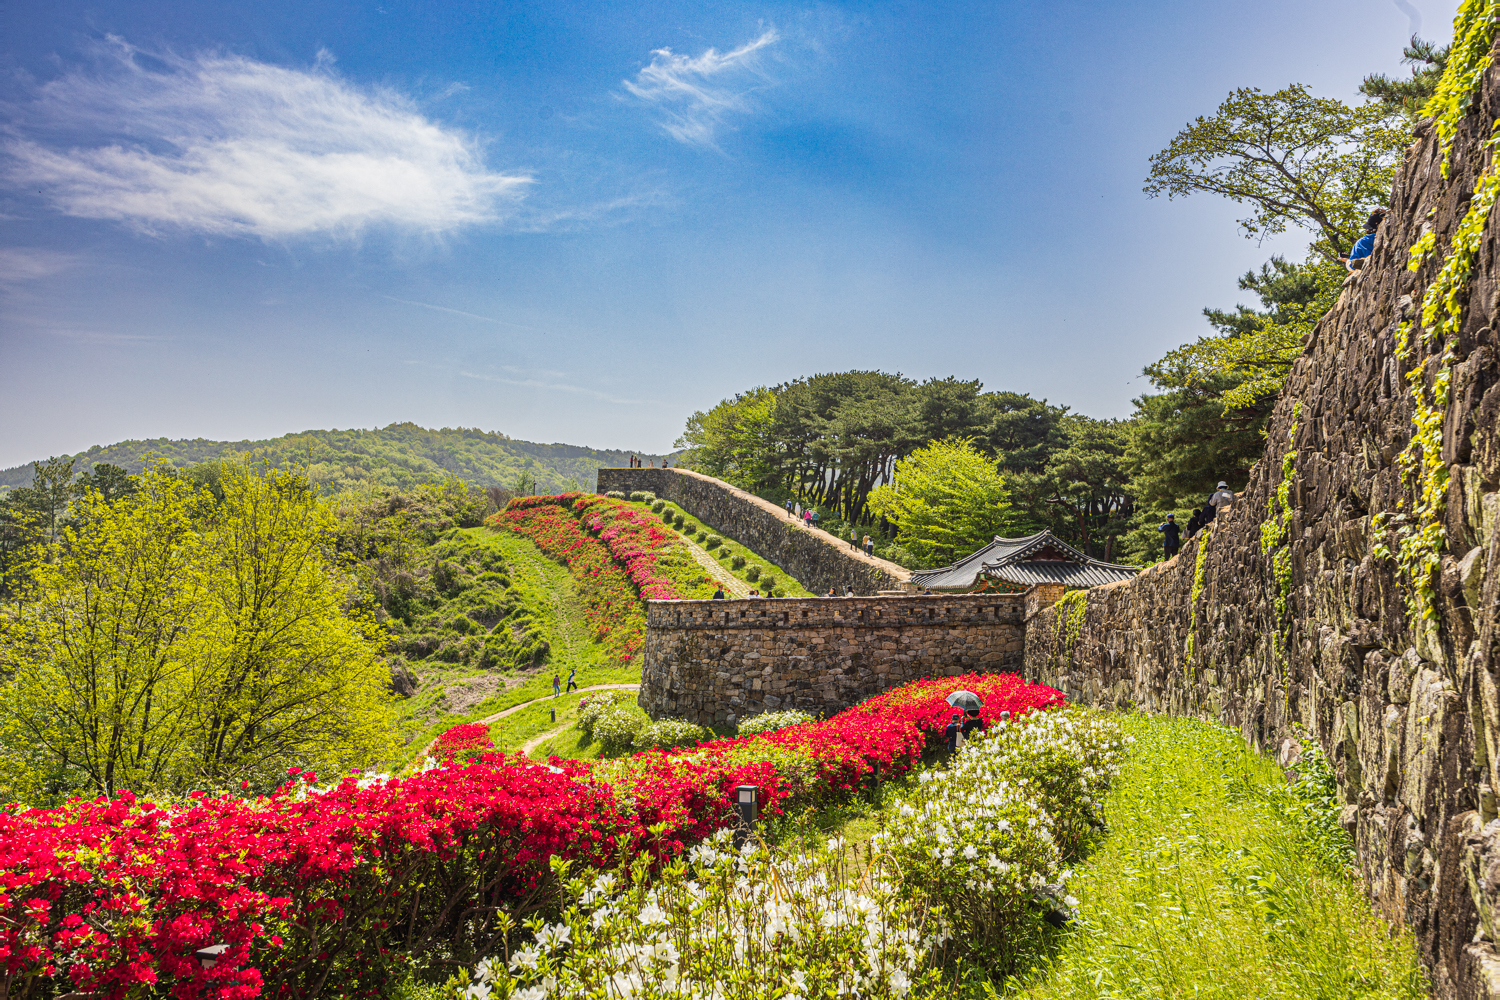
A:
{"x": 1171, "y": 535}
{"x": 1222, "y": 500}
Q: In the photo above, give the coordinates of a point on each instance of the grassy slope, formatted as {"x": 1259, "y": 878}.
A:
{"x": 547, "y": 590}
{"x": 692, "y": 527}
{"x": 399, "y": 455}
{"x": 1206, "y": 888}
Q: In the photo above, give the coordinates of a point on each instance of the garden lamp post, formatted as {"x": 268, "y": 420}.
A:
{"x": 749, "y": 811}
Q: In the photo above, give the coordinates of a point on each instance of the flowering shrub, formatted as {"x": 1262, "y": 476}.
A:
{"x": 642, "y": 496}
{"x": 729, "y": 925}
{"x": 767, "y": 722}
{"x": 620, "y": 556}
{"x": 349, "y": 885}
{"x": 980, "y": 839}
{"x": 669, "y": 733}
{"x": 615, "y": 730}
{"x": 344, "y": 886}
{"x": 591, "y": 709}
{"x": 461, "y": 740}
{"x": 922, "y": 702}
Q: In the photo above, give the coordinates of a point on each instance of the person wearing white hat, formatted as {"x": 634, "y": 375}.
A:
{"x": 1222, "y": 500}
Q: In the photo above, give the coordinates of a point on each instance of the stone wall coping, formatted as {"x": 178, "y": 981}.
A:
{"x": 782, "y": 613}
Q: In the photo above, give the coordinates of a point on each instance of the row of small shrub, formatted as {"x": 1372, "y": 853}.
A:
{"x": 618, "y": 730}
{"x": 737, "y": 562}
{"x": 769, "y": 722}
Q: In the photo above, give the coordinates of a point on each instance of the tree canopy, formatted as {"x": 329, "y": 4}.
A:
{"x": 184, "y": 641}
{"x": 947, "y": 498}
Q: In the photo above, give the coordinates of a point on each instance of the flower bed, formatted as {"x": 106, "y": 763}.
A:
{"x": 620, "y": 555}
{"x": 462, "y": 740}
{"x": 348, "y": 884}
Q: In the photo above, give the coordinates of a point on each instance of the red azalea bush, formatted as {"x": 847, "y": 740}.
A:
{"x": 612, "y": 605}
{"x": 347, "y": 885}
{"x": 461, "y": 740}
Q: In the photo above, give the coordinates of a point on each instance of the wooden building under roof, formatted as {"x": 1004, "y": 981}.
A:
{"x": 1015, "y": 564}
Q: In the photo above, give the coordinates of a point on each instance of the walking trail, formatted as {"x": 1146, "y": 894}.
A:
{"x": 528, "y": 747}
{"x": 733, "y": 585}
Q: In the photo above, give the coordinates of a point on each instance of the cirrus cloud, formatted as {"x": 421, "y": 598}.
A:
{"x": 692, "y": 94}
{"x": 226, "y": 145}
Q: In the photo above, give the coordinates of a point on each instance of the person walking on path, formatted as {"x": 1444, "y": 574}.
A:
{"x": 869, "y": 546}
{"x": 556, "y": 686}
{"x": 789, "y": 506}
{"x": 814, "y": 519}
{"x": 572, "y": 679}
{"x": 854, "y": 538}
{"x": 1171, "y": 538}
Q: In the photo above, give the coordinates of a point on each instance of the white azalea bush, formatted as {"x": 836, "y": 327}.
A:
{"x": 769, "y": 722}
{"x": 591, "y": 709}
{"x": 668, "y": 733}
{"x": 723, "y": 924}
{"x": 980, "y": 842}
{"x": 615, "y": 730}
{"x": 1065, "y": 759}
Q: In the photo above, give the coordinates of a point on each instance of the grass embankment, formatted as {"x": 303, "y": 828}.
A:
{"x": 548, "y": 592}
{"x": 1215, "y": 881}
{"x": 753, "y": 570}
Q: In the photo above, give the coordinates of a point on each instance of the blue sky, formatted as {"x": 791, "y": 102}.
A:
{"x": 581, "y": 222}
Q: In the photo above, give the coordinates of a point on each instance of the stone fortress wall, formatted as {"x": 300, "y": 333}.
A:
{"x": 708, "y": 660}
{"x": 1310, "y": 624}
{"x": 813, "y": 557}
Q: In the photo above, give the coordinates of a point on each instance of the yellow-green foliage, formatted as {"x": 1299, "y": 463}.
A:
{"x": 179, "y": 642}
{"x": 1273, "y": 530}
{"x": 947, "y": 499}
{"x": 1071, "y": 609}
{"x": 1198, "y": 574}
{"x": 1468, "y": 58}
{"x": 1418, "y": 554}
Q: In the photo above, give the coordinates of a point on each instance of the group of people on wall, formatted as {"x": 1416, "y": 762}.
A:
{"x": 1219, "y": 503}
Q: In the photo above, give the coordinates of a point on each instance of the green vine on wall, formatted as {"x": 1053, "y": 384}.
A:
{"x": 1068, "y": 626}
{"x": 1418, "y": 553}
{"x": 1198, "y": 573}
{"x": 1278, "y": 522}
{"x": 1468, "y": 58}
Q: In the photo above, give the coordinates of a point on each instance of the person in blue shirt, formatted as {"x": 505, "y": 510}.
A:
{"x": 1366, "y": 243}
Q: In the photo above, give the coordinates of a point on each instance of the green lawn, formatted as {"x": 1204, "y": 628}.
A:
{"x": 1210, "y": 885}
{"x": 547, "y": 588}
{"x": 786, "y": 586}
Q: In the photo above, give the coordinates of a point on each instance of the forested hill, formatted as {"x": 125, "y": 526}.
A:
{"x": 398, "y": 455}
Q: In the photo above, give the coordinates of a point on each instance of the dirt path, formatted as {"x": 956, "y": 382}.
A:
{"x": 733, "y": 585}
{"x": 531, "y": 745}
{"x": 525, "y": 704}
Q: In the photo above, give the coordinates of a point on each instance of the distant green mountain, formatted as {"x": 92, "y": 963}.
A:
{"x": 398, "y": 455}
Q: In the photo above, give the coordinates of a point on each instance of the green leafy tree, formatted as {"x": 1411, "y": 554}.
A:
{"x": 111, "y": 482}
{"x": 1297, "y": 161}
{"x": 1428, "y": 60}
{"x": 947, "y": 500}
{"x": 1292, "y": 158}
{"x": 52, "y": 489}
{"x": 180, "y": 642}
{"x": 733, "y": 440}
{"x": 1082, "y": 493}
{"x": 1254, "y": 349}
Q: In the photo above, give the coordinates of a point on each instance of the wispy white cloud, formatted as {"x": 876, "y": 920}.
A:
{"x": 693, "y": 94}
{"x": 457, "y": 312}
{"x": 225, "y": 145}
{"x": 19, "y": 264}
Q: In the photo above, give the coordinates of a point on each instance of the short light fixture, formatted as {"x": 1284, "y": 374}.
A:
{"x": 745, "y": 796}
{"x": 209, "y": 957}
